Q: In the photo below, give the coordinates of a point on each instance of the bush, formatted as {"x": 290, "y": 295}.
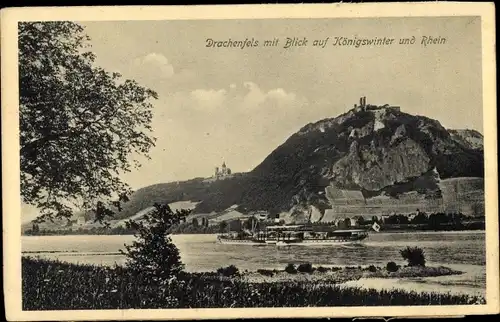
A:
{"x": 228, "y": 271}
{"x": 322, "y": 269}
{"x": 372, "y": 268}
{"x": 392, "y": 267}
{"x": 414, "y": 255}
{"x": 265, "y": 272}
{"x": 305, "y": 268}
{"x": 290, "y": 269}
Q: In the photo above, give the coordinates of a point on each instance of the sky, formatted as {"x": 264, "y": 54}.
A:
{"x": 237, "y": 105}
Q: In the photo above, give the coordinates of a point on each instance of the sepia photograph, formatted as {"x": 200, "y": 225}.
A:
{"x": 196, "y": 162}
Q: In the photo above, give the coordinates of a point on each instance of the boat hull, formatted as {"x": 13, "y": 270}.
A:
{"x": 228, "y": 241}
{"x": 327, "y": 242}
{"x": 305, "y": 242}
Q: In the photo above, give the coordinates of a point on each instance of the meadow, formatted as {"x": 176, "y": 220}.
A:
{"x": 53, "y": 285}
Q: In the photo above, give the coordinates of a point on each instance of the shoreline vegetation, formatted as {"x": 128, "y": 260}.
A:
{"x": 124, "y": 231}
{"x": 55, "y": 285}
{"x": 394, "y": 223}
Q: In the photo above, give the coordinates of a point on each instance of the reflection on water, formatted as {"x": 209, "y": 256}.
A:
{"x": 464, "y": 251}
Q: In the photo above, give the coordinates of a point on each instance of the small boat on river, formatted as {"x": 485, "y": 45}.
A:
{"x": 283, "y": 235}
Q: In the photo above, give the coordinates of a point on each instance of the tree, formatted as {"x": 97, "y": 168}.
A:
{"x": 392, "y": 267}
{"x": 222, "y": 226}
{"x": 153, "y": 252}
{"x": 305, "y": 268}
{"x": 414, "y": 255}
{"x": 35, "y": 228}
{"x": 251, "y": 223}
{"x": 436, "y": 220}
{"x": 402, "y": 219}
{"x": 291, "y": 269}
{"x": 194, "y": 222}
{"x": 477, "y": 209}
{"x": 228, "y": 271}
{"x": 420, "y": 218}
{"x": 397, "y": 220}
{"x": 360, "y": 220}
{"x": 79, "y": 124}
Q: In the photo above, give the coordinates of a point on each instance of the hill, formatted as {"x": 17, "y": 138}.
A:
{"x": 468, "y": 138}
{"x": 377, "y": 152}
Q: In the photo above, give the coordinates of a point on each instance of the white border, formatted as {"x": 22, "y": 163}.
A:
{"x": 10, "y": 147}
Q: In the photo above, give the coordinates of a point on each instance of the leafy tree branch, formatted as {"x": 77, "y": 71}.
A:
{"x": 79, "y": 124}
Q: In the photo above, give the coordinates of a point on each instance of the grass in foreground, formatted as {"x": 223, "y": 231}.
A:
{"x": 52, "y": 285}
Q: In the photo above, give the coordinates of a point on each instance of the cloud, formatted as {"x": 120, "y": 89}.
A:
{"x": 152, "y": 70}
{"x": 277, "y": 97}
{"x": 234, "y": 99}
{"x": 210, "y": 98}
{"x": 158, "y": 62}
{"x": 247, "y": 108}
{"x": 254, "y": 97}
{"x": 157, "y": 72}
{"x": 280, "y": 94}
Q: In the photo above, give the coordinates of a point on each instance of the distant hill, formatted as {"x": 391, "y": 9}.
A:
{"x": 469, "y": 138}
{"x": 376, "y": 151}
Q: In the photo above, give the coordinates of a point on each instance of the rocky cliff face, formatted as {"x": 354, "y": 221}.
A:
{"x": 375, "y": 151}
{"x": 373, "y": 169}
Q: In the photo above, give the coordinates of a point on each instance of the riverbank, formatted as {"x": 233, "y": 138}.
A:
{"x": 336, "y": 274}
{"x": 190, "y": 229}
{"x": 122, "y": 232}
{"x": 53, "y": 285}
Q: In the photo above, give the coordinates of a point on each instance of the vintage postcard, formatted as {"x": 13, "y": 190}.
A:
{"x": 250, "y": 161}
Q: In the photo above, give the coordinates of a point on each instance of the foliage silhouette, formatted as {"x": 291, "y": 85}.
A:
{"x": 231, "y": 270}
{"x": 305, "y": 268}
{"x": 392, "y": 267}
{"x": 154, "y": 253}
{"x": 414, "y": 255}
{"x": 290, "y": 269}
{"x": 79, "y": 124}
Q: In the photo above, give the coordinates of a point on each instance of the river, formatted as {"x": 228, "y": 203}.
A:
{"x": 464, "y": 251}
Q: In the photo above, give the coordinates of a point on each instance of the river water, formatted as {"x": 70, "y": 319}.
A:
{"x": 464, "y": 251}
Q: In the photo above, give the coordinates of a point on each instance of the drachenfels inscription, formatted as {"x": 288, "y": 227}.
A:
{"x": 336, "y": 41}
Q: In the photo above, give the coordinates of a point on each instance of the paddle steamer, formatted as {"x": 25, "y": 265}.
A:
{"x": 293, "y": 235}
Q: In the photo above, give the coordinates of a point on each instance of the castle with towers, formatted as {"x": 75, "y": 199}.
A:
{"x": 222, "y": 172}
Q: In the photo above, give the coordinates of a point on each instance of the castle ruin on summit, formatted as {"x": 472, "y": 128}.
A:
{"x": 368, "y": 107}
